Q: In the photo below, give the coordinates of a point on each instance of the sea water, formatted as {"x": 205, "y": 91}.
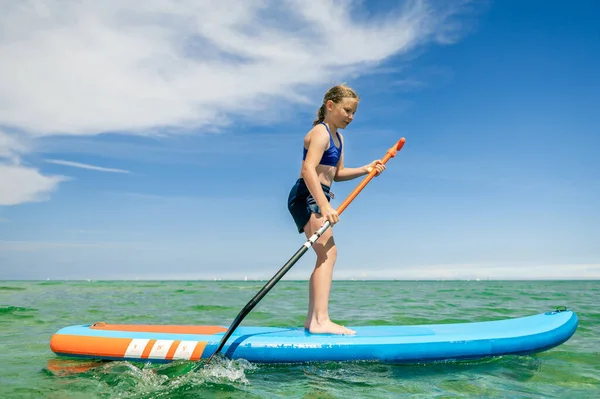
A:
{"x": 31, "y": 311}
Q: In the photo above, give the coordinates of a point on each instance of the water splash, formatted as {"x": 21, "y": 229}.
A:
{"x": 131, "y": 380}
{"x": 222, "y": 369}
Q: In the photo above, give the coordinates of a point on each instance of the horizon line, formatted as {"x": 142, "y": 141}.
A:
{"x": 296, "y": 280}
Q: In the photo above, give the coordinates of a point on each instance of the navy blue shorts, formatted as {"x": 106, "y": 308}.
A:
{"x": 301, "y": 203}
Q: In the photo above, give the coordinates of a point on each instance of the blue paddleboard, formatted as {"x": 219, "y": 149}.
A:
{"x": 410, "y": 343}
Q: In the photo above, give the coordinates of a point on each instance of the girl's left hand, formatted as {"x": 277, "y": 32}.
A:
{"x": 378, "y": 165}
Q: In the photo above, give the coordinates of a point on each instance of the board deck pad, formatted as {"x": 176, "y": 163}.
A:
{"x": 410, "y": 343}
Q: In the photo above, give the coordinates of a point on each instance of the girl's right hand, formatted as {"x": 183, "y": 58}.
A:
{"x": 329, "y": 214}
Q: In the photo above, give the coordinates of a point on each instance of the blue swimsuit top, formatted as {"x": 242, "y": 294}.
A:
{"x": 332, "y": 155}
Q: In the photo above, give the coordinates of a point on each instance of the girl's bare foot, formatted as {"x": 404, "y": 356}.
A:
{"x": 328, "y": 327}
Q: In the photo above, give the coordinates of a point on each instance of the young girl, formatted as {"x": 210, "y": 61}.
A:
{"x": 308, "y": 201}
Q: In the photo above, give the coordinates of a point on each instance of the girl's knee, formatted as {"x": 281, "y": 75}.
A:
{"x": 326, "y": 254}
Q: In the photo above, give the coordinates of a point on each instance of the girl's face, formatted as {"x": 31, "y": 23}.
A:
{"x": 342, "y": 113}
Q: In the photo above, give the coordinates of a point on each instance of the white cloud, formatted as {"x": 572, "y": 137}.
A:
{"x": 90, "y": 67}
{"x": 85, "y": 166}
{"x": 159, "y": 66}
{"x": 19, "y": 184}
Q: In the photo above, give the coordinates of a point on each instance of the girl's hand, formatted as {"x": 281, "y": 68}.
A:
{"x": 330, "y": 214}
{"x": 376, "y": 164}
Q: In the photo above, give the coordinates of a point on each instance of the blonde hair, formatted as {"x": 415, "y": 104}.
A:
{"x": 335, "y": 94}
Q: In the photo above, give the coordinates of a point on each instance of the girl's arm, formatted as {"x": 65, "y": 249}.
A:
{"x": 343, "y": 174}
{"x": 319, "y": 142}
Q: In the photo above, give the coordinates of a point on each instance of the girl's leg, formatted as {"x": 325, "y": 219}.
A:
{"x": 317, "y": 319}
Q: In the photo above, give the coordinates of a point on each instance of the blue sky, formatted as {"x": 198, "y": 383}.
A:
{"x": 161, "y": 142}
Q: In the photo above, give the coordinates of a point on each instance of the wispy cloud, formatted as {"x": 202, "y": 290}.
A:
{"x": 409, "y": 84}
{"x": 162, "y": 67}
{"x": 86, "y": 166}
{"x": 88, "y": 231}
{"x": 32, "y": 246}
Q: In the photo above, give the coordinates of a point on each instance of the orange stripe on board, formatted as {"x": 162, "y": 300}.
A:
{"x": 168, "y": 329}
{"x": 147, "y": 349}
{"x": 91, "y": 346}
{"x": 172, "y": 350}
{"x": 198, "y": 351}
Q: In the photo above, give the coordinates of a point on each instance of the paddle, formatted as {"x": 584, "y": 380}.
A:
{"x": 260, "y": 295}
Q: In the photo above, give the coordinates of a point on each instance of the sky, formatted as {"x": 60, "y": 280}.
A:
{"x": 160, "y": 141}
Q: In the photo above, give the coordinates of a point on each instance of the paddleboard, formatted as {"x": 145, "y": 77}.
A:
{"x": 410, "y": 343}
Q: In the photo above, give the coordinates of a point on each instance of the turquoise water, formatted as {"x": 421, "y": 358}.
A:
{"x": 31, "y": 311}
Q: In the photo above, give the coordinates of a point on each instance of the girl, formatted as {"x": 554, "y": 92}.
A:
{"x": 308, "y": 201}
